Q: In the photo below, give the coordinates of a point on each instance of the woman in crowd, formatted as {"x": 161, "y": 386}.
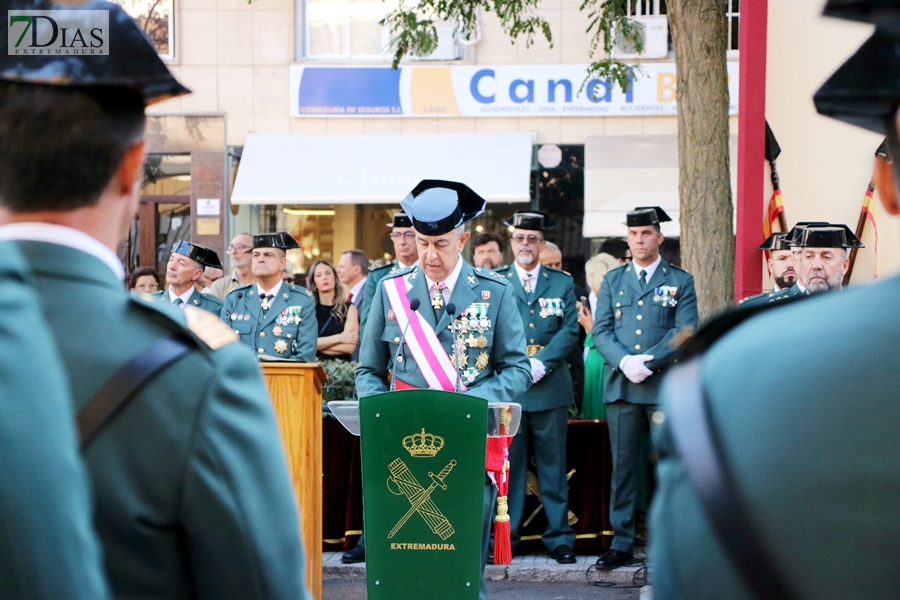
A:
{"x": 338, "y": 319}
{"x": 143, "y": 279}
{"x": 594, "y": 271}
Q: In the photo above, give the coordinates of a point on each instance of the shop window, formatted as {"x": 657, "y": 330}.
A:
{"x": 658, "y": 8}
{"x": 344, "y": 29}
{"x": 156, "y": 20}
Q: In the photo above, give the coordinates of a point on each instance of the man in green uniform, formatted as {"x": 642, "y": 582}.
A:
{"x": 491, "y": 361}
{"x": 193, "y": 497}
{"x": 781, "y": 267}
{"x": 48, "y": 549}
{"x": 795, "y": 502}
{"x": 546, "y": 303}
{"x": 276, "y": 319}
{"x": 403, "y": 237}
{"x": 184, "y": 269}
{"x": 641, "y": 306}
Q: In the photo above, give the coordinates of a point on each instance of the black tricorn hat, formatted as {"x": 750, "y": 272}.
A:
{"x": 776, "y": 241}
{"x": 204, "y": 256}
{"x": 400, "y": 220}
{"x": 280, "y": 239}
{"x": 535, "y": 220}
{"x": 793, "y": 236}
{"x": 833, "y": 236}
{"x": 643, "y": 216}
{"x": 883, "y": 13}
{"x": 865, "y": 90}
{"x": 436, "y": 207}
{"x": 132, "y": 62}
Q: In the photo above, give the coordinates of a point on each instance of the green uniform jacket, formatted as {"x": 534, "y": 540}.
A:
{"x": 48, "y": 549}
{"x": 774, "y": 296}
{"x": 507, "y": 373}
{"x": 550, "y": 321}
{"x": 371, "y": 285}
{"x": 630, "y": 320}
{"x": 288, "y": 330}
{"x": 207, "y": 302}
{"x": 193, "y": 496}
{"x": 812, "y": 446}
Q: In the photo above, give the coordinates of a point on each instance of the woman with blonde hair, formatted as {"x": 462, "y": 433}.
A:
{"x": 594, "y": 271}
{"x": 337, "y": 318}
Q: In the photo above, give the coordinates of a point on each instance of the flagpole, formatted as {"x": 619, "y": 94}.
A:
{"x": 860, "y": 227}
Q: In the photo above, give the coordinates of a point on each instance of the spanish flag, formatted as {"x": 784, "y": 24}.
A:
{"x": 868, "y": 211}
{"x": 776, "y": 207}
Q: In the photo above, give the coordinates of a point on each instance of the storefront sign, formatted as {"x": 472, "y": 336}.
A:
{"x": 484, "y": 91}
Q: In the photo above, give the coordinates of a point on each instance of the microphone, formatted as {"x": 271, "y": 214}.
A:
{"x": 414, "y": 305}
{"x": 451, "y": 311}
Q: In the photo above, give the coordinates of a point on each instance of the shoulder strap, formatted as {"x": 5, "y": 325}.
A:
{"x": 121, "y": 388}
{"x": 700, "y": 450}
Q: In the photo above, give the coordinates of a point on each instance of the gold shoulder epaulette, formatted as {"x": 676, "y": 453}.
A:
{"x": 209, "y": 328}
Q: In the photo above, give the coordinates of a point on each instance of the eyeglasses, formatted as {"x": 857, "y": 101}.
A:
{"x": 409, "y": 235}
{"x": 237, "y": 248}
{"x": 531, "y": 239}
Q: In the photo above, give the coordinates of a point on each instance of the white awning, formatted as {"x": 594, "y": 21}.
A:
{"x": 378, "y": 169}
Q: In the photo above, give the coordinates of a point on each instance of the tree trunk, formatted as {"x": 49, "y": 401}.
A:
{"x": 700, "y": 37}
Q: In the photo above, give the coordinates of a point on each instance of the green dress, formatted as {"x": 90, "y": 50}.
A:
{"x": 592, "y": 403}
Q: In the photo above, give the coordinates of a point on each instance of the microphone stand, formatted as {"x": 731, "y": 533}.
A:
{"x": 255, "y": 327}
{"x": 398, "y": 358}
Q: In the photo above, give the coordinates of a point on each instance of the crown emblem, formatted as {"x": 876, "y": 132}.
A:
{"x": 423, "y": 444}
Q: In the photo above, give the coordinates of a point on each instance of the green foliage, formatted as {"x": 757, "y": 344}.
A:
{"x": 413, "y": 30}
{"x": 341, "y": 384}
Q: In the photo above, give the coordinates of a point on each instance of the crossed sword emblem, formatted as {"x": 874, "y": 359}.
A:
{"x": 420, "y": 498}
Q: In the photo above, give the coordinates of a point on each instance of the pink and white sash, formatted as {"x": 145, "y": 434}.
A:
{"x": 421, "y": 339}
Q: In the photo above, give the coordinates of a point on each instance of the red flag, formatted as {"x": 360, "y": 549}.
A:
{"x": 776, "y": 207}
{"x": 868, "y": 209}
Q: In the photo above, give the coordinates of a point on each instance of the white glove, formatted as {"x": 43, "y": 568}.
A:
{"x": 538, "y": 370}
{"x": 634, "y": 369}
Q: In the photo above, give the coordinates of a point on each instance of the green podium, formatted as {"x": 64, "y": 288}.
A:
{"x": 423, "y": 472}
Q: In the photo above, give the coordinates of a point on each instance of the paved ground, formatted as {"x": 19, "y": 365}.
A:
{"x": 528, "y": 577}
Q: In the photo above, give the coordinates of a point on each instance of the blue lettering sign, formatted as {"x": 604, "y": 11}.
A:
{"x": 592, "y": 93}
{"x": 551, "y": 89}
{"x": 473, "y": 86}
{"x": 515, "y": 85}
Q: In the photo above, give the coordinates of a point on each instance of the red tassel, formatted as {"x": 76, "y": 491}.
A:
{"x": 502, "y": 546}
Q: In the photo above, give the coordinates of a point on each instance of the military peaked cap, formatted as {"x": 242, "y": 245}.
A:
{"x": 204, "y": 256}
{"x": 282, "y": 240}
{"x": 437, "y": 207}
{"x": 132, "y": 61}
{"x": 643, "y": 216}
{"x": 534, "y": 220}
{"x": 833, "y": 236}
{"x": 400, "y": 220}
{"x": 776, "y": 241}
{"x": 865, "y": 90}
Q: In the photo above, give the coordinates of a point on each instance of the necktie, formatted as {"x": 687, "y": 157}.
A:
{"x": 527, "y": 284}
{"x": 643, "y": 278}
{"x": 350, "y": 297}
{"x": 178, "y": 302}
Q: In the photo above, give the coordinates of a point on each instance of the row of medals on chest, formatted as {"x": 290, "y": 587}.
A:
{"x": 473, "y": 321}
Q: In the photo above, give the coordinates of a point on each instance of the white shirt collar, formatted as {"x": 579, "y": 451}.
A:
{"x": 651, "y": 268}
{"x": 184, "y": 297}
{"x": 64, "y": 236}
{"x": 451, "y": 280}
{"x": 272, "y": 292}
{"x": 523, "y": 274}
{"x": 402, "y": 266}
{"x": 356, "y": 289}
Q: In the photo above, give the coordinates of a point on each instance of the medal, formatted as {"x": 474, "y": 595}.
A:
{"x": 618, "y": 314}
{"x": 277, "y": 330}
{"x": 471, "y": 341}
{"x": 485, "y": 295}
{"x": 281, "y": 346}
{"x": 391, "y": 316}
{"x": 482, "y": 341}
{"x": 482, "y": 361}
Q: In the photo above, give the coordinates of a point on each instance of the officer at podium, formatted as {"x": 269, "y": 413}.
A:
{"x": 489, "y": 357}
{"x": 192, "y": 496}
{"x": 276, "y": 319}
{"x": 184, "y": 269}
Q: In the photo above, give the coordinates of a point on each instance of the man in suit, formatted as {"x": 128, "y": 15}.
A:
{"x": 491, "y": 358}
{"x": 193, "y": 497}
{"x": 48, "y": 549}
{"x": 353, "y": 270}
{"x": 276, "y": 319}
{"x": 403, "y": 236}
{"x": 546, "y": 301}
{"x": 184, "y": 269}
{"x": 641, "y": 306}
{"x": 807, "y": 500}
{"x": 239, "y": 255}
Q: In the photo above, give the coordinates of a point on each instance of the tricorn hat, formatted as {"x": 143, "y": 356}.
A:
{"x": 204, "y": 256}
{"x": 400, "y": 220}
{"x": 436, "y": 207}
{"x": 865, "y": 90}
{"x": 643, "y": 216}
{"x": 535, "y": 220}
{"x": 280, "y": 239}
{"x": 833, "y": 236}
{"x": 131, "y": 62}
{"x": 793, "y": 236}
{"x": 776, "y": 241}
